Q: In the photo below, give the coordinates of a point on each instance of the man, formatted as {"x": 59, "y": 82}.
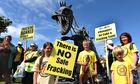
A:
{"x": 29, "y": 59}
{"x": 18, "y": 57}
{"x": 7, "y": 51}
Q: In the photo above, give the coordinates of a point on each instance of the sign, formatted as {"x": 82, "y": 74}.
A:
{"x": 105, "y": 32}
{"x": 62, "y": 59}
{"x": 27, "y": 32}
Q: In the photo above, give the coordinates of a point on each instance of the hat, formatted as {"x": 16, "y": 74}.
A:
{"x": 109, "y": 42}
{"x": 32, "y": 44}
{"x": 20, "y": 42}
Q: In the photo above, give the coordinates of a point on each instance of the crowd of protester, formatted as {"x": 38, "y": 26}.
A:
{"x": 123, "y": 61}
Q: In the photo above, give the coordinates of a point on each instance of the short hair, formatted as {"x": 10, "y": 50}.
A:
{"x": 127, "y": 35}
{"x": 118, "y": 50}
{"x": 86, "y": 40}
{"x": 9, "y": 36}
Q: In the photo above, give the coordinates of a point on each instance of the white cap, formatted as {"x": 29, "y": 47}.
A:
{"x": 109, "y": 42}
{"x": 32, "y": 44}
{"x": 20, "y": 42}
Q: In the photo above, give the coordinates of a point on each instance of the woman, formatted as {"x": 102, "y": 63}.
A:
{"x": 40, "y": 77}
{"x": 130, "y": 53}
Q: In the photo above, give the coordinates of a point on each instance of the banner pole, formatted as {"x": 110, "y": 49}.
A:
{"x": 56, "y": 80}
{"x": 26, "y": 41}
{"x": 107, "y": 65}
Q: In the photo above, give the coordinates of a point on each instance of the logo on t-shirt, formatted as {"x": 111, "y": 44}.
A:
{"x": 43, "y": 66}
{"x": 121, "y": 70}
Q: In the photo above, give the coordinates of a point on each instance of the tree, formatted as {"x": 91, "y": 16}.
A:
{"x": 4, "y": 23}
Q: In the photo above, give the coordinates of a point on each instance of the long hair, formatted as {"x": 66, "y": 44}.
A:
{"x": 127, "y": 35}
{"x": 43, "y": 53}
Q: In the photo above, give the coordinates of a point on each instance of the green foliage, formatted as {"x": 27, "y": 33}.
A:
{"x": 4, "y": 23}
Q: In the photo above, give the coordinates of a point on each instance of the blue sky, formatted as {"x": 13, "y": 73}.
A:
{"x": 88, "y": 13}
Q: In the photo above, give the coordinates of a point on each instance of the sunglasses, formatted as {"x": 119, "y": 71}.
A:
{"x": 32, "y": 46}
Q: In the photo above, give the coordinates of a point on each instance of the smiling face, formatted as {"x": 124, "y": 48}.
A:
{"x": 124, "y": 40}
{"x": 48, "y": 50}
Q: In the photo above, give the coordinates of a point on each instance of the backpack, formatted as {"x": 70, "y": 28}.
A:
{"x": 134, "y": 72}
{"x": 131, "y": 47}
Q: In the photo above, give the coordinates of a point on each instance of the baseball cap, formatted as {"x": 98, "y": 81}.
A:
{"x": 20, "y": 42}
{"x": 109, "y": 42}
{"x": 32, "y": 44}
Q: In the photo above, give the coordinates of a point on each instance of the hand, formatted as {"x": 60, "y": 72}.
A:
{"x": 35, "y": 83}
{"x": 25, "y": 61}
{"x": 94, "y": 73}
{"x": 133, "y": 67}
{"x": 85, "y": 63}
{"x": 110, "y": 47}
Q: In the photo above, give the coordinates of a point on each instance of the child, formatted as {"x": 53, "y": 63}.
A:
{"x": 87, "y": 60}
{"x": 39, "y": 76}
{"x": 121, "y": 71}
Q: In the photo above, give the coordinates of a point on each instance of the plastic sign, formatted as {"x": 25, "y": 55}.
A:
{"x": 105, "y": 32}
{"x": 27, "y": 32}
{"x": 62, "y": 59}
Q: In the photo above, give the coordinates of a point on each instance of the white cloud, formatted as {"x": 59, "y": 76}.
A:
{"x": 15, "y": 32}
{"x": 2, "y": 13}
{"x": 12, "y": 31}
{"x": 40, "y": 37}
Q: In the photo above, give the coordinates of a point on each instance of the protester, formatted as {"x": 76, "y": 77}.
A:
{"x": 19, "y": 57}
{"x": 87, "y": 60}
{"x": 40, "y": 77}
{"x": 121, "y": 70}
{"x": 7, "y": 52}
{"x": 4, "y": 59}
{"x": 29, "y": 59}
{"x": 111, "y": 58}
{"x": 131, "y": 52}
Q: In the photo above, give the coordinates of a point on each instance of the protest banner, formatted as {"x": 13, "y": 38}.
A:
{"x": 27, "y": 32}
{"x": 62, "y": 59}
{"x": 105, "y": 32}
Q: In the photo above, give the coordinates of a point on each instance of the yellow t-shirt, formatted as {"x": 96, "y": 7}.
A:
{"x": 18, "y": 55}
{"x": 121, "y": 72}
{"x": 128, "y": 53}
{"x": 82, "y": 57}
